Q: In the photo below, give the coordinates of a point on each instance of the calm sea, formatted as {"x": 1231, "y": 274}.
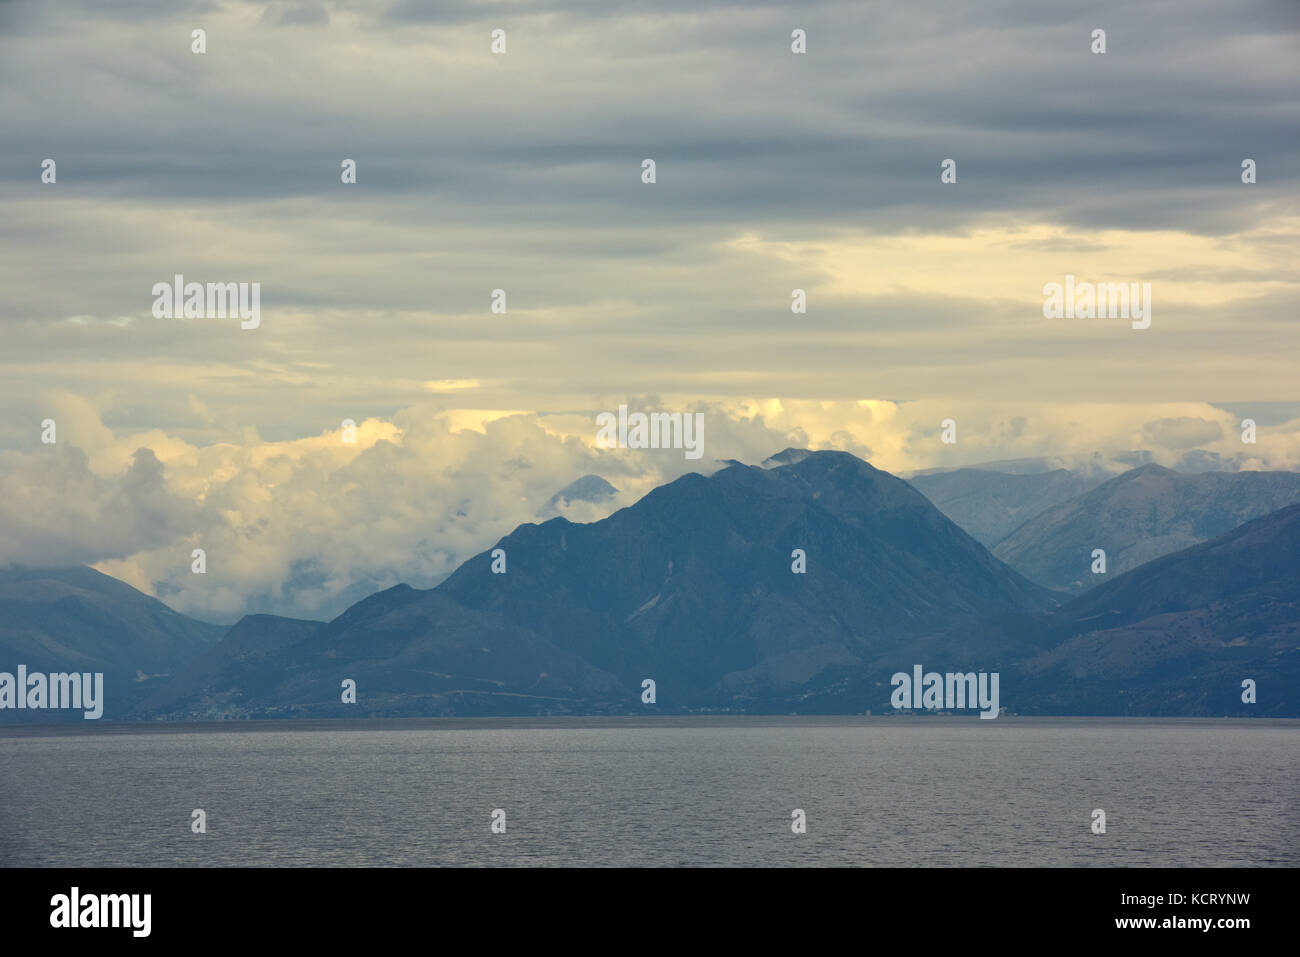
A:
{"x": 875, "y": 791}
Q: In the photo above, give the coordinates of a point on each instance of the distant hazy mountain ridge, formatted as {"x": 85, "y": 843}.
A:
{"x": 991, "y": 505}
{"x": 1139, "y": 516}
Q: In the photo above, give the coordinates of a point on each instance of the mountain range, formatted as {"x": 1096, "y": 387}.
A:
{"x": 799, "y": 586}
{"x": 1137, "y": 517}
{"x": 1181, "y": 633}
{"x": 693, "y": 587}
{"x": 990, "y": 505}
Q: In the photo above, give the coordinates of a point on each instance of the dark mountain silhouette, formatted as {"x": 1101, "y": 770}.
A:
{"x": 1139, "y": 516}
{"x": 77, "y": 619}
{"x": 410, "y": 653}
{"x": 691, "y": 587}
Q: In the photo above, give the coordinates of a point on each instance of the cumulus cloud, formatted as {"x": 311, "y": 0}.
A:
{"x": 305, "y": 526}
{"x": 1185, "y": 432}
{"x": 56, "y": 511}
{"x": 521, "y": 172}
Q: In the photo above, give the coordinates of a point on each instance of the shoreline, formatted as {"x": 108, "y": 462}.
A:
{"x": 571, "y": 722}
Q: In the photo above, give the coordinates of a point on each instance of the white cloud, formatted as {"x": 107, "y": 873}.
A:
{"x": 306, "y": 526}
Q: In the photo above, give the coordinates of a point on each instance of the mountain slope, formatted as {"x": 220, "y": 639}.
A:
{"x": 77, "y": 619}
{"x": 1180, "y": 634}
{"x": 692, "y": 587}
{"x": 410, "y": 653}
{"x": 1139, "y": 516}
{"x": 991, "y": 505}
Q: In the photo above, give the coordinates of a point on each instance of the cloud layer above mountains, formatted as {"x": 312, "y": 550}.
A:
{"x": 522, "y": 172}
{"x": 306, "y": 526}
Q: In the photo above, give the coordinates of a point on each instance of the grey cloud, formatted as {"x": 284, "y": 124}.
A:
{"x": 1134, "y": 138}
{"x": 296, "y": 14}
{"x": 522, "y": 172}
{"x": 55, "y": 511}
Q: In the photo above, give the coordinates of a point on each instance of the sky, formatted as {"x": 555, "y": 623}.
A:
{"x": 522, "y": 171}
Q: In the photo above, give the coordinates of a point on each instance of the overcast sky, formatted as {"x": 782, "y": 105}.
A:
{"x": 522, "y": 171}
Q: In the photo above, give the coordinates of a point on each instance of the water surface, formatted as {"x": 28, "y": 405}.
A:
{"x": 876, "y": 791}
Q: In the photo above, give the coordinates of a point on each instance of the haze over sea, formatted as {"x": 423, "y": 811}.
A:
{"x": 891, "y": 791}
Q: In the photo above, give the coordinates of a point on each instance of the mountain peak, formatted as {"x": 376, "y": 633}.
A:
{"x": 1151, "y": 468}
{"x": 696, "y": 583}
{"x": 785, "y": 457}
{"x": 588, "y": 488}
